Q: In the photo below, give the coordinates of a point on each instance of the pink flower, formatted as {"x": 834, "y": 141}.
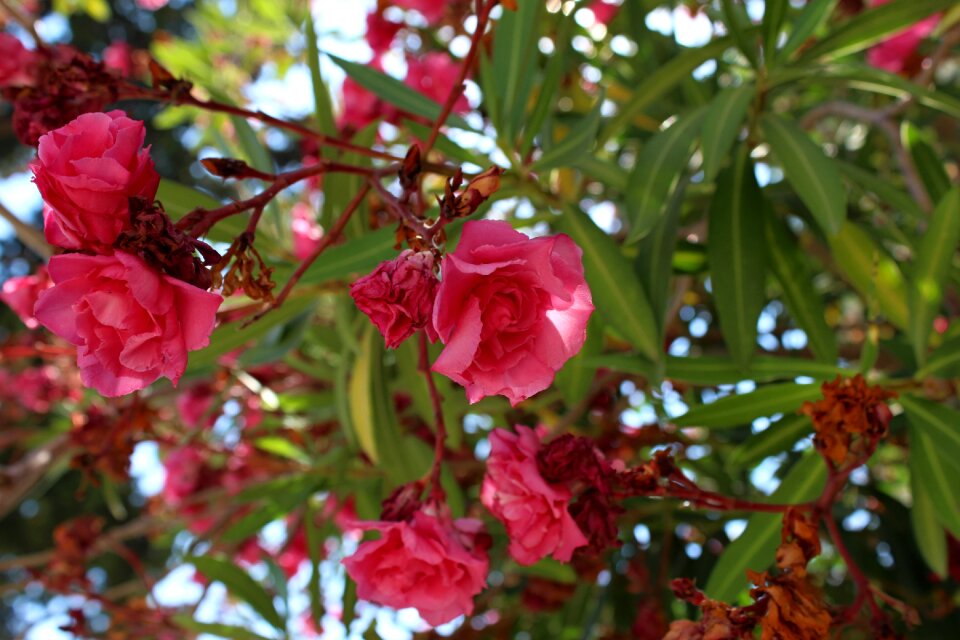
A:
{"x": 17, "y": 63}
{"x": 427, "y": 563}
{"x": 87, "y": 171}
{"x": 434, "y": 75}
{"x": 511, "y": 310}
{"x": 432, "y": 10}
{"x": 603, "y": 11}
{"x": 898, "y": 53}
{"x": 131, "y": 324}
{"x": 380, "y": 32}
{"x": 185, "y": 470}
{"x": 533, "y": 510}
{"x": 20, "y": 293}
{"x": 152, "y": 5}
{"x": 398, "y": 296}
{"x": 119, "y": 57}
{"x": 306, "y": 232}
{"x": 195, "y": 403}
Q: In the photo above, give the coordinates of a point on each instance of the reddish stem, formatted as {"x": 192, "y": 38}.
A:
{"x": 864, "y": 589}
{"x": 436, "y": 489}
{"x": 328, "y": 239}
{"x": 483, "y": 16}
{"x": 200, "y": 221}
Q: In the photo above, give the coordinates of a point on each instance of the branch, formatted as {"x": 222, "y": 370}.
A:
{"x": 23, "y": 20}
{"x": 884, "y": 122}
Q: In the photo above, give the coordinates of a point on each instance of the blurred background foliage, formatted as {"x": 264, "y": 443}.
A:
{"x": 760, "y": 210}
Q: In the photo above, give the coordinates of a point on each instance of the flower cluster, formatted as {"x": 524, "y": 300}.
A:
{"x": 131, "y": 321}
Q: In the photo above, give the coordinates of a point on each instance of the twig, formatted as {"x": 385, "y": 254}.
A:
{"x": 436, "y": 490}
{"x": 483, "y": 16}
{"x": 884, "y": 122}
{"x": 325, "y": 242}
{"x": 23, "y": 20}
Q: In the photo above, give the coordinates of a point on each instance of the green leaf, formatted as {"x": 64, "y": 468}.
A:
{"x": 547, "y": 95}
{"x": 871, "y": 271}
{"x": 937, "y": 474}
{"x": 654, "y": 262}
{"x": 814, "y": 176}
{"x": 374, "y": 419}
{"x": 938, "y": 422}
{"x": 944, "y": 362}
{"x": 240, "y": 585}
{"x": 927, "y": 531}
{"x": 796, "y": 277}
{"x": 396, "y": 92}
{"x": 578, "y": 141}
{"x": 813, "y": 15}
{"x": 548, "y": 569}
{"x": 322, "y": 105}
{"x": 618, "y": 296}
{"x": 710, "y": 371}
{"x": 282, "y": 447}
{"x": 737, "y": 256}
{"x": 870, "y": 27}
{"x": 513, "y": 60}
{"x": 215, "y": 629}
{"x": 780, "y": 436}
{"x": 359, "y": 255}
{"x": 738, "y": 410}
{"x": 727, "y": 113}
{"x": 737, "y": 21}
{"x": 773, "y": 13}
{"x": 657, "y": 171}
{"x": 929, "y": 277}
{"x": 276, "y": 506}
{"x": 234, "y": 335}
{"x": 576, "y": 377}
{"x": 658, "y": 83}
{"x": 929, "y": 164}
{"x": 886, "y": 192}
{"x": 756, "y": 546}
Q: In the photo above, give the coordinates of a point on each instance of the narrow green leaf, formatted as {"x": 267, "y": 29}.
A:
{"x": 359, "y": 255}
{"x": 657, "y": 84}
{"x": 813, "y": 15}
{"x": 774, "y": 12}
{"x": 657, "y": 171}
{"x": 578, "y": 141}
{"x": 576, "y": 376}
{"x": 228, "y": 337}
{"x": 938, "y": 422}
{"x": 618, "y": 296}
{"x": 254, "y": 151}
{"x": 239, "y": 583}
{"x": 938, "y": 475}
{"x": 654, "y": 262}
{"x": 888, "y": 193}
{"x": 547, "y": 94}
{"x": 944, "y": 362}
{"x": 871, "y": 271}
{"x": 930, "y": 537}
{"x": 709, "y": 371}
{"x": 322, "y": 105}
{"x": 929, "y": 277}
{"x": 374, "y": 419}
{"x": 179, "y": 200}
{"x": 186, "y": 622}
{"x": 396, "y": 92}
{"x": 737, "y": 257}
{"x": 780, "y": 436}
{"x": 282, "y": 447}
{"x": 929, "y": 163}
{"x": 549, "y": 569}
{"x": 727, "y": 113}
{"x": 814, "y": 176}
{"x": 793, "y": 272}
{"x": 738, "y": 410}
{"x": 870, "y": 27}
{"x": 273, "y": 508}
{"x": 737, "y": 21}
{"x": 757, "y": 545}
{"x": 514, "y": 57}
